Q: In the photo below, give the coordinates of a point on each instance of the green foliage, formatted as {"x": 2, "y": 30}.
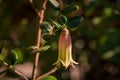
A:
{"x": 94, "y": 26}
{"x": 14, "y": 57}
{"x": 57, "y": 25}
{"x": 74, "y": 21}
{"x": 42, "y": 49}
{"x": 69, "y": 1}
{"x": 63, "y": 19}
{"x": 48, "y": 37}
{"x": 108, "y": 45}
{"x": 54, "y": 3}
{"x": 46, "y": 27}
{"x": 3, "y": 54}
{"x": 50, "y": 77}
{"x": 70, "y": 9}
{"x": 19, "y": 54}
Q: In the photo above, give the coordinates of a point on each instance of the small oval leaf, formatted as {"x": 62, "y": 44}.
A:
{"x": 45, "y": 48}
{"x": 41, "y": 49}
{"x": 46, "y": 27}
{"x": 57, "y": 25}
{"x": 70, "y": 9}
{"x": 74, "y": 21}
{"x": 16, "y": 54}
{"x": 48, "y": 37}
{"x": 63, "y": 19}
{"x": 54, "y": 3}
{"x": 14, "y": 57}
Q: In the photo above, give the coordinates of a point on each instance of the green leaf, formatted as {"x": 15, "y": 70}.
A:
{"x": 41, "y": 49}
{"x": 57, "y": 25}
{"x": 46, "y": 27}
{"x": 3, "y": 54}
{"x": 70, "y": 9}
{"x": 63, "y": 19}
{"x": 54, "y": 3}
{"x": 63, "y": 26}
{"x": 74, "y": 21}
{"x": 14, "y": 57}
{"x": 48, "y": 37}
{"x": 69, "y": 1}
{"x": 50, "y": 77}
{"x": 45, "y": 48}
{"x": 32, "y": 47}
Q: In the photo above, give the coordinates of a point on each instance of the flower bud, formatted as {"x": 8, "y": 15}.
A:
{"x": 65, "y": 50}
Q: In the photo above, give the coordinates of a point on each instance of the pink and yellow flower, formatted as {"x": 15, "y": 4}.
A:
{"x": 65, "y": 50}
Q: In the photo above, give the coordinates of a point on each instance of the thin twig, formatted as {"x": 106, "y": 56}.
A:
{"x": 4, "y": 71}
{"x": 4, "y": 63}
{"x": 41, "y": 17}
{"x": 61, "y": 4}
{"x": 14, "y": 70}
{"x": 48, "y": 73}
{"x": 20, "y": 74}
{"x": 54, "y": 69}
{"x": 35, "y": 9}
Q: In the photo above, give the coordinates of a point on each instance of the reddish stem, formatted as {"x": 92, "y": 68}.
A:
{"x": 48, "y": 73}
{"x": 41, "y": 17}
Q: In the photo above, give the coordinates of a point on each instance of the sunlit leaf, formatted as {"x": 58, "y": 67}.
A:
{"x": 54, "y": 3}
{"x": 14, "y": 57}
{"x": 3, "y": 54}
{"x": 41, "y": 49}
{"x": 57, "y": 25}
{"x": 107, "y": 12}
{"x": 50, "y": 77}
{"x": 44, "y": 48}
{"x": 63, "y": 26}
{"x": 32, "y": 47}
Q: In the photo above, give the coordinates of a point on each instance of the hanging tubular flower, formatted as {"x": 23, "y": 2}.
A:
{"x": 65, "y": 50}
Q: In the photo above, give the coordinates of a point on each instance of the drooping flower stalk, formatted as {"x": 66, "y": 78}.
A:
{"x": 65, "y": 50}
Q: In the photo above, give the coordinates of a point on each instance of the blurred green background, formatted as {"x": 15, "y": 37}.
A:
{"x": 96, "y": 40}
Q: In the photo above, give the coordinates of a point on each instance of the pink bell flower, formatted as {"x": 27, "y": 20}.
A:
{"x": 65, "y": 50}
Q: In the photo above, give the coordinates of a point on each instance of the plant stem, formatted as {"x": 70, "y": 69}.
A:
{"x": 4, "y": 63}
{"x": 41, "y": 17}
{"x": 48, "y": 73}
{"x": 4, "y": 71}
{"x": 20, "y": 74}
{"x": 54, "y": 69}
{"x": 14, "y": 70}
